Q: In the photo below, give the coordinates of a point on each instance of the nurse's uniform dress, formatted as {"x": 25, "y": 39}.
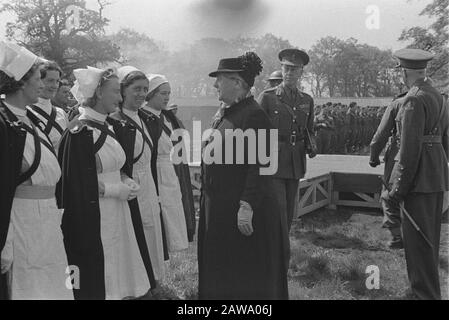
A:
{"x": 125, "y": 273}
{"x": 34, "y": 252}
{"x": 170, "y": 192}
{"x": 147, "y": 198}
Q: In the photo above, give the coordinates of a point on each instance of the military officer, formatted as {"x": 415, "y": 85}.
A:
{"x": 291, "y": 112}
{"x": 420, "y": 173}
{"x": 386, "y": 135}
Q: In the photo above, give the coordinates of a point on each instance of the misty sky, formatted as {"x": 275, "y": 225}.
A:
{"x": 178, "y": 23}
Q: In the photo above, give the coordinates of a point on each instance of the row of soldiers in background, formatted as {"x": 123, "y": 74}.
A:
{"x": 343, "y": 129}
{"x": 339, "y": 128}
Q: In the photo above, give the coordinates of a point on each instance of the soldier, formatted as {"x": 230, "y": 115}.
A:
{"x": 420, "y": 174}
{"x": 324, "y": 125}
{"x": 275, "y": 79}
{"x": 291, "y": 112}
{"x": 386, "y": 135}
{"x": 351, "y": 123}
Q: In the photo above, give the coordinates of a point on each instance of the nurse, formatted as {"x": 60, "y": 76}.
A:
{"x": 98, "y": 229}
{"x": 137, "y": 133}
{"x": 169, "y": 188}
{"x": 33, "y": 259}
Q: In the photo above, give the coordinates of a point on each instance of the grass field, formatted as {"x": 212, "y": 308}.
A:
{"x": 330, "y": 250}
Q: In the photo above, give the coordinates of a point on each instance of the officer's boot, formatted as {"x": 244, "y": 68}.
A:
{"x": 396, "y": 241}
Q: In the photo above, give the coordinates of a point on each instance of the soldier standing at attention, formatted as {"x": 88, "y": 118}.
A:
{"x": 420, "y": 174}
{"x": 291, "y": 112}
{"x": 386, "y": 135}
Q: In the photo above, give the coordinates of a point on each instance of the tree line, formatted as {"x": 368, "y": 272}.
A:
{"x": 72, "y": 35}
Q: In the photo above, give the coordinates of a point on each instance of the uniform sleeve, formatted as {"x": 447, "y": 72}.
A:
{"x": 310, "y": 126}
{"x": 262, "y": 100}
{"x": 445, "y": 138}
{"x": 383, "y": 132}
{"x": 412, "y": 131}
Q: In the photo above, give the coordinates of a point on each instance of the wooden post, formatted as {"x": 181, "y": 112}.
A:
{"x": 333, "y": 196}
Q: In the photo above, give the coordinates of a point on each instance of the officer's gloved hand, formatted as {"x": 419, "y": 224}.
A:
{"x": 392, "y": 199}
{"x": 312, "y": 154}
{"x": 245, "y": 219}
{"x": 374, "y": 162}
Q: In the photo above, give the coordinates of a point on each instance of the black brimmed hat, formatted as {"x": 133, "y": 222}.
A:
{"x": 247, "y": 66}
{"x": 229, "y": 65}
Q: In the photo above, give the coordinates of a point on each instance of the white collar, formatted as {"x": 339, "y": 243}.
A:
{"x": 130, "y": 113}
{"x": 17, "y": 111}
{"x": 154, "y": 111}
{"x": 90, "y": 113}
{"x": 45, "y": 104}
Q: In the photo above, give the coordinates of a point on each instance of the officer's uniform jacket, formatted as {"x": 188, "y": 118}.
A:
{"x": 290, "y": 115}
{"x": 422, "y": 162}
{"x": 386, "y": 135}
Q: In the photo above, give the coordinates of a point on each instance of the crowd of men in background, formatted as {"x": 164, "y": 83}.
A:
{"x": 343, "y": 129}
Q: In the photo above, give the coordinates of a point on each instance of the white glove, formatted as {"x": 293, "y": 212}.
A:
{"x": 117, "y": 190}
{"x": 135, "y": 188}
{"x": 245, "y": 219}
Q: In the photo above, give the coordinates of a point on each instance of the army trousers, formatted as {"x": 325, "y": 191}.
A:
{"x": 422, "y": 260}
{"x": 392, "y": 217}
{"x": 286, "y": 190}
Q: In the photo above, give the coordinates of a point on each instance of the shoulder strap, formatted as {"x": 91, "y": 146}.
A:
{"x": 51, "y": 119}
{"x": 104, "y": 133}
{"x": 37, "y": 154}
{"x": 140, "y": 128}
{"x": 164, "y": 126}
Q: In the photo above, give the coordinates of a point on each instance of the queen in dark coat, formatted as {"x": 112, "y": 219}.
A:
{"x": 240, "y": 248}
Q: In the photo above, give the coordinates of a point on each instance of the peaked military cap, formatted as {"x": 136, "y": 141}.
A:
{"x": 413, "y": 58}
{"x": 293, "y": 57}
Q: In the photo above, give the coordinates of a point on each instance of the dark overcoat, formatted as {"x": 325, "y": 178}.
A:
{"x": 12, "y": 144}
{"x": 231, "y": 265}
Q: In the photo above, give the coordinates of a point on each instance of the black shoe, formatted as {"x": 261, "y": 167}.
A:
{"x": 396, "y": 243}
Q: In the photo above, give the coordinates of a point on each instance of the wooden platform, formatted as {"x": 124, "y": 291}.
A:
{"x": 339, "y": 180}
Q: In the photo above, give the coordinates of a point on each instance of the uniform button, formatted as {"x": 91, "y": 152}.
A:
{"x": 294, "y": 108}
{"x": 276, "y": 112}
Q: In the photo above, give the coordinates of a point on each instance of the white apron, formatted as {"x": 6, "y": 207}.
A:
{"x": 148, "y": 201}
{"x": 171, "y": 198}
{"x": 125, "y": 273}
